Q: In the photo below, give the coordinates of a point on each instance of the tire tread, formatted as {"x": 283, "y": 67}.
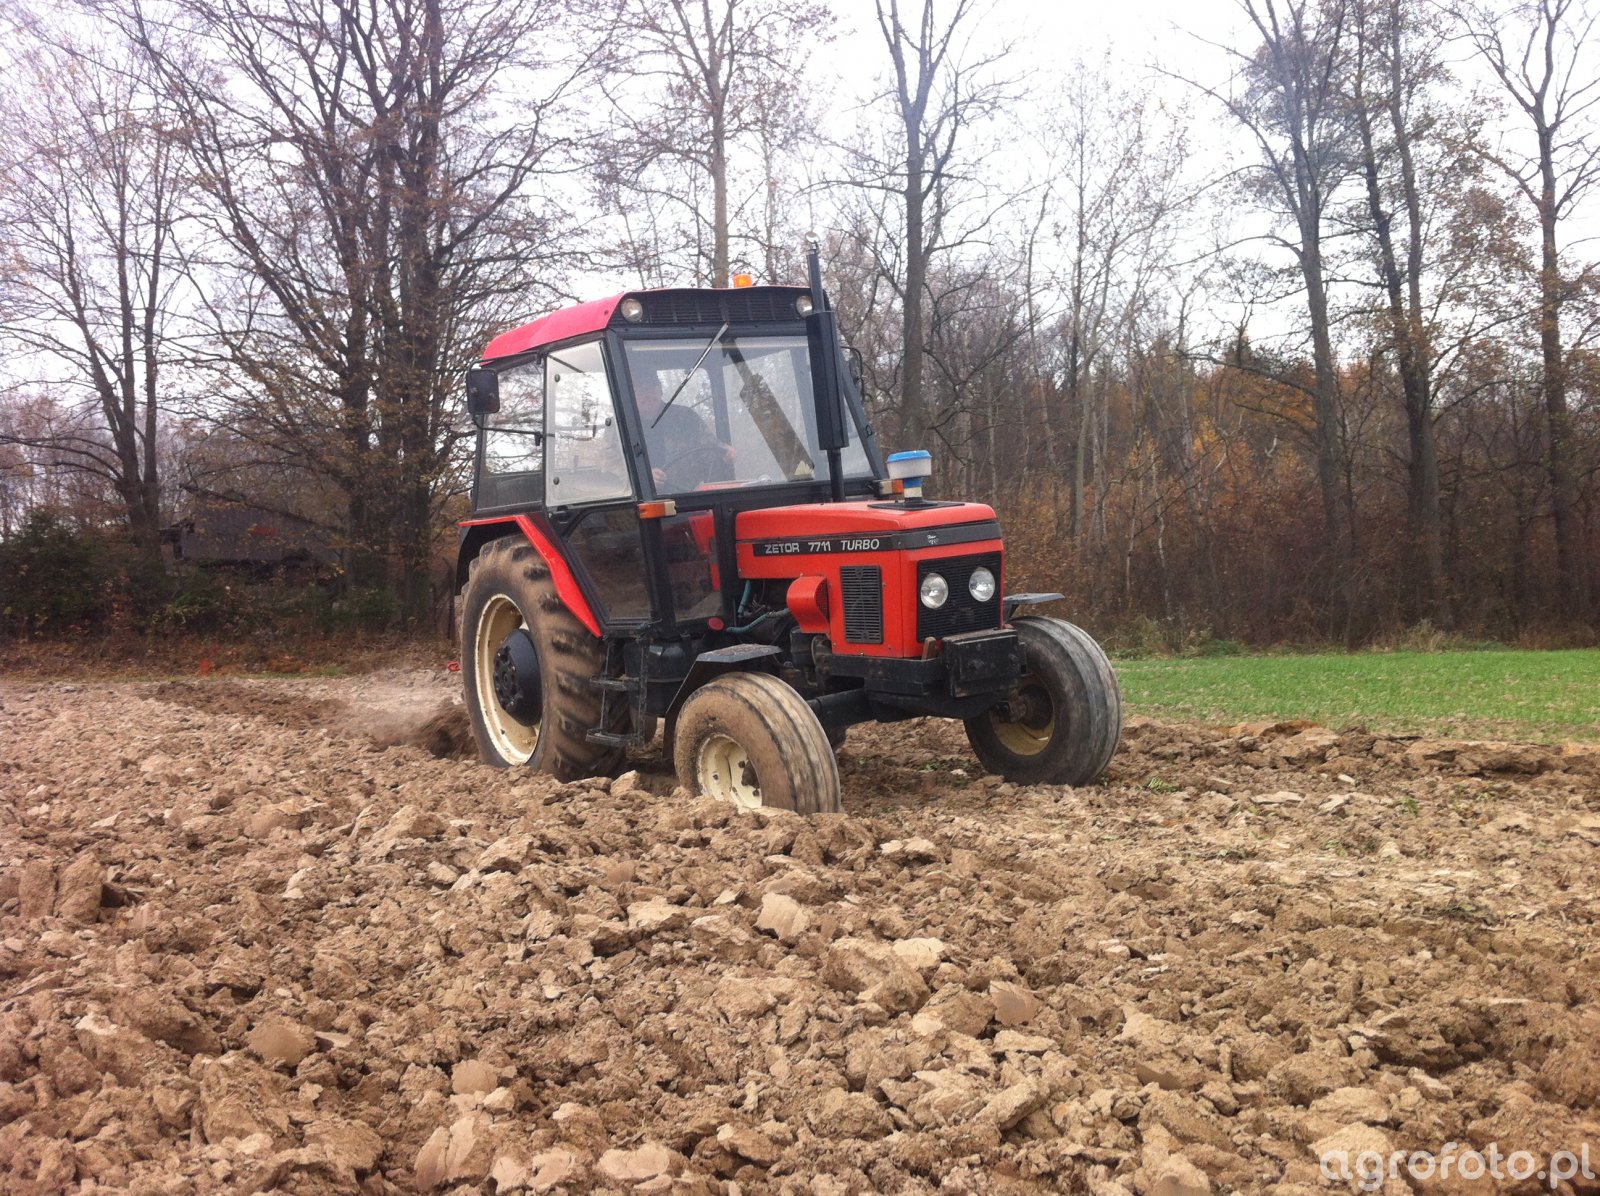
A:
{"x": 755, "y": 707}
{"x": 1093, "y": 713}
{"x": 571, "y": 657}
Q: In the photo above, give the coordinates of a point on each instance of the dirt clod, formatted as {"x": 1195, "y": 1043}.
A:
{"x": 278, "y": 1040}
{"x": 447, "y": 734}
{"x": 636, "y": 1166}
{"x": 783, "y": 917}
{"x": 473, "y": 1076}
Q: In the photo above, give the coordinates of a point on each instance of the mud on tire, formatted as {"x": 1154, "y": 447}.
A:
{"x": 749, "y": 739}
{"x": 509, "y": 585}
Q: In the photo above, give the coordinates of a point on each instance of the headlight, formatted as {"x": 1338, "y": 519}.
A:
{"x": 981, "y": 585}
{"x": 632, "y": 310}
{"x": 935, "y": 591}
{"x": 803, "y": 305}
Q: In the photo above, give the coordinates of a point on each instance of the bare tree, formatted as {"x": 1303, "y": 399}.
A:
{"x": 1291, "y": 101}
{"x": 1542, "y": 56}
{"x": 1112, "y": 191}
{"x": 36, "y": 476}
{"x": 940, "y": 93}
{"x": 380, "y": 213}
{"x": 1395, "y": 61}
{"x": 90, "y": 215}
{"x": 691, "y": 83}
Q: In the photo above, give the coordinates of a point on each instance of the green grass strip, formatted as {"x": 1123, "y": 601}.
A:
{"x": 1538, "y": 696}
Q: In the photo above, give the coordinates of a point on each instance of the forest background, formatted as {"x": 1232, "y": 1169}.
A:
{"x": 1276, "y": 323}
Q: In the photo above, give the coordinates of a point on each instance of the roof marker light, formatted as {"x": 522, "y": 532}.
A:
{"x": 744, "y": 280}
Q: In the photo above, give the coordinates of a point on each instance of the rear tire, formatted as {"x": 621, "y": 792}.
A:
{"x": 749, "y": 739}
{"x": 1074, "y": 710}
{"x": 509, "y": 587}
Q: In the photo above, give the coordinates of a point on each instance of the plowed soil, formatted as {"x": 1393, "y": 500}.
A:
{"x": 273, "y": 935}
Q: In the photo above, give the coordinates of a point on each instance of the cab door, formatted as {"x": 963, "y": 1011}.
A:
{"x": 589, "y": 492}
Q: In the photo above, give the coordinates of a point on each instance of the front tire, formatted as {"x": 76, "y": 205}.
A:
{"x": 1061, "y": 727}
{"x": 509, "y": 590}
{"x": 749, "y": 739}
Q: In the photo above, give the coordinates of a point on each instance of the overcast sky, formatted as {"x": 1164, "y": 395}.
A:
{"x": 1135, "y": 36}
{"x": 1146, "y": 43}
{"x": 1153, "y": 41}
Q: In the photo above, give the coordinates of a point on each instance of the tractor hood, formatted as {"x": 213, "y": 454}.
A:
{"x": 853, "y": 570}
{"x": 803, "y": 529}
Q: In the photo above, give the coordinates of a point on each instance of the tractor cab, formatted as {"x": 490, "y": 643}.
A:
{"x": 634, "y": 430}
{"x": 678, "y": 491}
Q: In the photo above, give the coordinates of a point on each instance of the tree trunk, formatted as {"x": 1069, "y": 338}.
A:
{"x": 1570, "y": 566}
{"x": 913, "y": 412}
{"x": 364, "y": 561}
{"x": 719, "y": 195}
{"x": 1325, "y": 404}
{"x": 1080, "y": 456}
{"x": 1424, "y": 564}
{"x": 1423, "y": 507}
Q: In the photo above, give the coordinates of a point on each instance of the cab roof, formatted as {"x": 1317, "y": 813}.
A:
{"x": 667, "y": 306}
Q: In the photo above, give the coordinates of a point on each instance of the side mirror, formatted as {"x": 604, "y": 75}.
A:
{"x": 858, "y": 369}
{"x": 483, "y": 393}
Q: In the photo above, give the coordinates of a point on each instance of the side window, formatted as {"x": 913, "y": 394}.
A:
{"x": 585, "y": 461}
{"x": 513, "y": 443}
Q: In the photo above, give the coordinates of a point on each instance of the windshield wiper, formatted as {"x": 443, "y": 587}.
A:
{"x": 704, "y": 353}
{"x": 771, "y": 421}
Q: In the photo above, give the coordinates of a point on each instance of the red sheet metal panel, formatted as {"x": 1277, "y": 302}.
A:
{"x": 567, "y": 588}
{"x": 557, "y": 326}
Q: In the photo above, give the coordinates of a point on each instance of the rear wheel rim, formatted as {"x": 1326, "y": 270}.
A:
{"x": 1022, "y": 738}
{"x": 513, "y": 739}
{"x": 724, "y": 772}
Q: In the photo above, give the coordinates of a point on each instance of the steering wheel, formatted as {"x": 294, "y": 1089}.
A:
{"x": 698, "y": 451}
{"x": 704, "y": 450}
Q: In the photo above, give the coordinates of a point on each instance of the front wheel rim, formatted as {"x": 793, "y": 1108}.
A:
{"x": 723, "y": 769}
{"x": 512, "y": 739}
{"x": 1024, "y": 738}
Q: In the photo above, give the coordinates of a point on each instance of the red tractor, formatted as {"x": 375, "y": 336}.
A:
{"x": 680, "y": 513}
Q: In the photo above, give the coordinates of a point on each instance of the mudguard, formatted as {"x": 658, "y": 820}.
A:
{"x": 549, "y": 550}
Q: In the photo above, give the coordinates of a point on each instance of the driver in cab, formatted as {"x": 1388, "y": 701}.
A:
{"x": 684, "y": 452}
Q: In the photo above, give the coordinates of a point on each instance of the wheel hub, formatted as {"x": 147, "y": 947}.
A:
{"x": 516, "y": 676}
{"x": 1030, "y": 706}
{"x": 725, "y": 773}
{"x": 1026, "y": 722}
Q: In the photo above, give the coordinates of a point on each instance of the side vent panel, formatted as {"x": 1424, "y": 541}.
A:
{"x": 862, "y": 587}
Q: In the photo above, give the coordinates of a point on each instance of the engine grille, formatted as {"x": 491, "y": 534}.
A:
{"x": 960, "y": 612}
{"x": 862, "y": 587}
{"x": 749, "y": 305}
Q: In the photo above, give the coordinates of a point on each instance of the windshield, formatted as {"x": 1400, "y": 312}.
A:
{"x": 742, "y": 416}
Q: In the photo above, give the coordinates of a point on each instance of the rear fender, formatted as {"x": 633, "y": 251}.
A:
{"x": 478, "y": 532}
